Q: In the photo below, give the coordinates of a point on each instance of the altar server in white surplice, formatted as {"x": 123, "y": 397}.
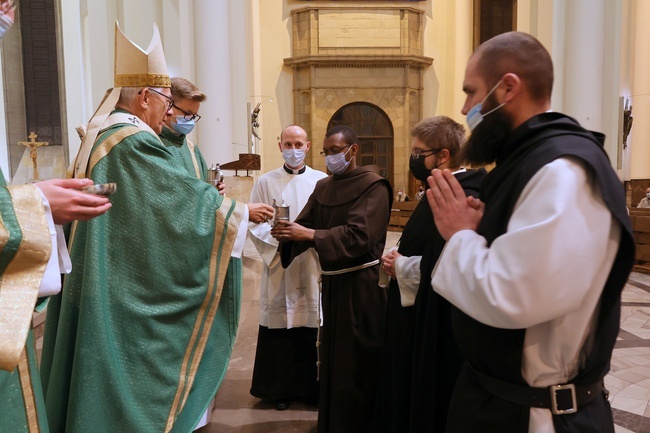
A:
{"x": 285, "y": 362}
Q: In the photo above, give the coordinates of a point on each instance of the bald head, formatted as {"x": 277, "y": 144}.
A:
{"x": 520, "y": 54}
{"x": 292, "y": 139}
{"x": 294, "y": 130}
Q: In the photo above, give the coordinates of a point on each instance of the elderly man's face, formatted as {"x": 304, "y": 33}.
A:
{"x": 159, "y": 108}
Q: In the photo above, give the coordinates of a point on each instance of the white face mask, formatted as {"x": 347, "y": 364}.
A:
{"x": 293, "y": 157}
{"x": 183, "y": 126}
{"x": 647, "y": 194}
{"x": 337, "y": 164}
{"x": 474, "y": 115}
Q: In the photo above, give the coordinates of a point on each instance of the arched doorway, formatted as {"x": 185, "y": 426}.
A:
{"x": 375, "y": 132}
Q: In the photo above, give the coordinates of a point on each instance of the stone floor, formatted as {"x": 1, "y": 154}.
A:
{"x": 629, "y": 378}
{"x": 237, "y": 411}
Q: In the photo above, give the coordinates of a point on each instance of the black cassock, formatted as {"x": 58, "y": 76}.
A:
{"x": 421, "y": 360}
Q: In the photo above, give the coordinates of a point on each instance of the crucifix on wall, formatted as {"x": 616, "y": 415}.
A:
{"x": 33, "y": 144}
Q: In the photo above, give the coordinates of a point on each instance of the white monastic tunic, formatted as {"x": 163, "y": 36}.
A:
{"x": 288, "y": 298}
{"x": 59, "y": 262}
{"x": 545, "y": 274}
{"x": 407, "y": 272}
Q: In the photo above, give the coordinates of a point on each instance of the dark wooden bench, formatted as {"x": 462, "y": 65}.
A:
{"x": 400, "y": 213}
{"x": 640, "y": 219}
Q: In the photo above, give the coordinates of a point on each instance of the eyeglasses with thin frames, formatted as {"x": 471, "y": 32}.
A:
{"x": 186, "y": 115}
{"x": 169, "y": 102}
{"x": 333, "y": 152}
{"x": 7, "y": 6}
{"x": 415, "y": 153}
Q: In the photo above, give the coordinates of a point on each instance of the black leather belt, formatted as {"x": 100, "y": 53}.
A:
{"x": 560, "y": 399}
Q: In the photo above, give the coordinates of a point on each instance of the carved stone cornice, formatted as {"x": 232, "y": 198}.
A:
{"x": 358, "y": 61}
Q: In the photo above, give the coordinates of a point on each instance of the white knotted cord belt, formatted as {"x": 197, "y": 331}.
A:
{"x": 320, "y": 293}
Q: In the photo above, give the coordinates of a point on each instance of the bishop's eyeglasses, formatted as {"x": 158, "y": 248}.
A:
{"x": 169, "y": 101}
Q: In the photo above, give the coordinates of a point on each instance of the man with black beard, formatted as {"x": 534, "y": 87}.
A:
{"x": 535, "y": 271}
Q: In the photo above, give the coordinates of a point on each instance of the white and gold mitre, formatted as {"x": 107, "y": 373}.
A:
{"x": 135, "y": 67}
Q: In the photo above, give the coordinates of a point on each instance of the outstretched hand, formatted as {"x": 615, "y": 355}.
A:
{"x": 259, "y": 212}
{"x": 452, "y": 210}
{"x": 221, "y": 187}
{"x": 68, "y": 203}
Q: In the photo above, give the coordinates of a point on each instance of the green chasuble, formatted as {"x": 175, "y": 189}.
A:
{"x": 25, "y": 247}
{"x": 192, "y": 159}
{"x": 186, "y": 152}
{"x": 133, "y": 343}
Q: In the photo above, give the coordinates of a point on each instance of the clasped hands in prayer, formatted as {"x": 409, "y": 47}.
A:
{"x": 452, "y": 210}
{"x": 388, "y": 263}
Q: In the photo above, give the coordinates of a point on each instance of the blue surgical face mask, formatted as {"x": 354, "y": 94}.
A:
{"x": 337, "y": 163}
{"x": 5, "y": 24}
{"x": 183, "y": 126}
{"x": 474, "y": 115}
{"x": 293, "y": 157}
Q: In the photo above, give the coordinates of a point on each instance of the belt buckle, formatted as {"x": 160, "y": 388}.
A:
{"x": 574, "y": 404}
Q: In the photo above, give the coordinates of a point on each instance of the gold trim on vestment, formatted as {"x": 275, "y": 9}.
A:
{"x": 107, "y": 145}
{"x": 28, "y": 393}
{"x": 101, "y": 151}
{"x": 197, "y": 170}
{"x": 22, "y": 277}
{"x": 233, "y": 228}
{"x": 210, "y": 308}
{"x": 142, "y": 80}
{"x": 96, "y": 124}
{"x": 73, "y": 233}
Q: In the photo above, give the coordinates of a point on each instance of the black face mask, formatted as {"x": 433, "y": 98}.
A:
{"x": 418, "y": 169}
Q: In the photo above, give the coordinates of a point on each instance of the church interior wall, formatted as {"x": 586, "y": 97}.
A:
{"x": 323, "y": 88}
{"x": 259, "y": 36}
{"x": 640, "y": 94}
{"x": 275, "y": 90}
{"x": 14, "y": 98}
{"x": 195, "y": 46}
{"x": 447, "y": 39}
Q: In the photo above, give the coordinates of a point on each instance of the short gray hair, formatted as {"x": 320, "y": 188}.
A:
{"x": 129, "y": 94}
